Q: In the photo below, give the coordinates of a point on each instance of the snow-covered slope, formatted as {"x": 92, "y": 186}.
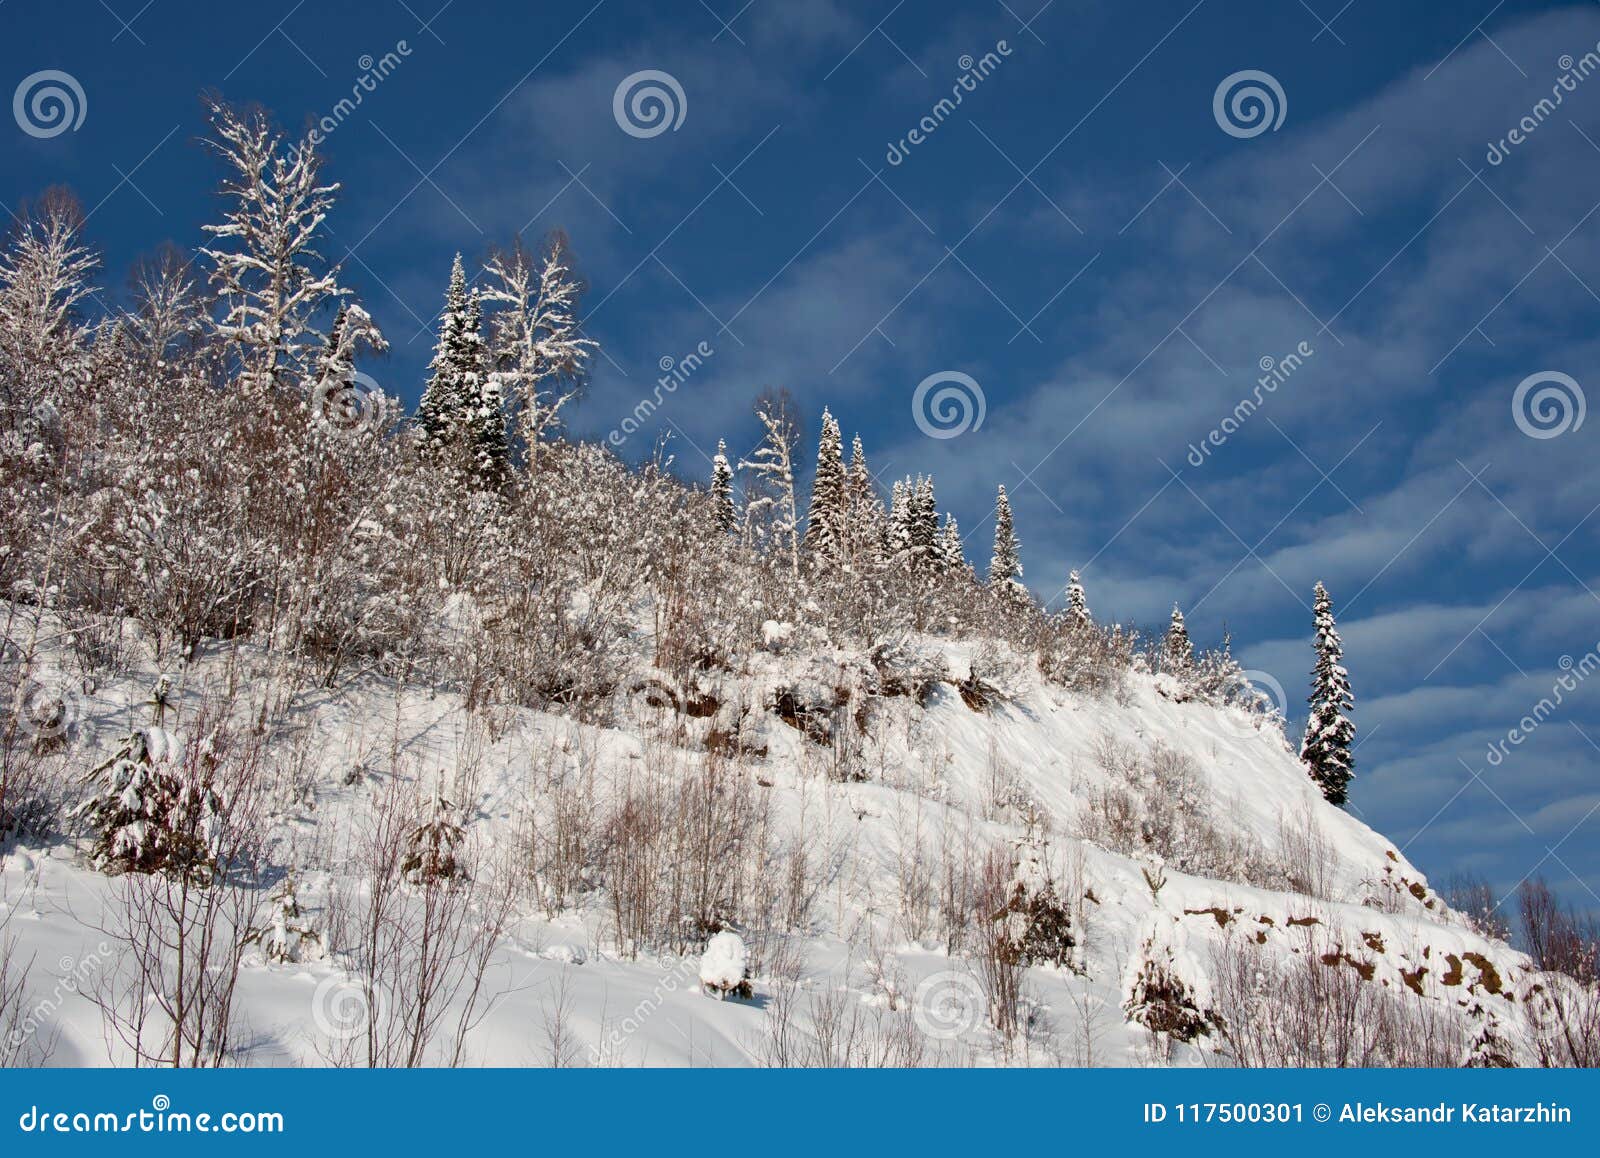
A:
{"x": 1177, "y": 836}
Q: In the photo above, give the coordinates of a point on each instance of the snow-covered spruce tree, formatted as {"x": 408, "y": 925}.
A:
{"x": 1156, "y": 994}
{"x": 772, "y": 504}
{"x": 290, "y": 938}
{"x": 722, "y": 489}
{"x": 442, "y": 399}
{"x": 1077, "y": 601}
{"x": 1005, "y": 565}
{"x": 1325, "y": 751}
{"x": 725, "y": 967}
{"x": 865, "y": 511}
{"x": 266, "y": 269}
{"x": 450, "y": 415}
{"x": 486, "y": 425}
{"x": 897, "y": 531}
{"x": 149, "y": 812}
{"x": 923, "y": 518}
{"x": 1034, "y": 920}
{"x": 826, "y": 526}
{"x": 1177, "y": 652}
{"x": 951, "y": 557}
{"x": 433, "y": 847}
{"x": 537, "y": 353}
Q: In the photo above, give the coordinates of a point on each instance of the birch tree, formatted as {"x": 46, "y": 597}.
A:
{"x": 538, "y": 353}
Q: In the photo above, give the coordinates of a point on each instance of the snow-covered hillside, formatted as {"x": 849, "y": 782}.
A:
{"x": 854, "y": 839}
{"x": 333, "y": 734}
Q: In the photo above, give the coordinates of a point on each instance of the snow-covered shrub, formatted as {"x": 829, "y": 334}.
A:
{"x": 683, "y": 851}
{"x": 1478, "y": 903}
{"x": 811, "y": 706}
{"x": 998, "y": 947}
{"x": 1165, "y": 989}
{"x": 1564, "y": 1015}
{"x": 1489, "y": 1048}
{"x": 1156, "y": 804}
{"x": 1306, "y": 856}
{"x": 776, "y": 635}
{"x": 1315, "y": 1005}
{"x": 153, "y": 808}
{"x": 992, "y": 676}
{"x": 725, "y": 967}
{"x": 30, "y": 797}
{"x": 411, "y": 957}
{"x": 32, "y": 792}
{"x": 905, "y": 669}
{"x": 562, "y": 825}
{"x": 1085, "y": 657}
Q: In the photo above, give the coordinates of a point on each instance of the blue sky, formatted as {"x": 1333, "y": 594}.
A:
{"x": 1081, "y": 236}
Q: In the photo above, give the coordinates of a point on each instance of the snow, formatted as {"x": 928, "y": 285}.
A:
{"x": 928, "y": 793}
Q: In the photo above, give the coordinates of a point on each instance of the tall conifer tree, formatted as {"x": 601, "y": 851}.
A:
{"x": 722, "y": 489}
{"x": 1077, "y": 601}
{"x": 1005, "y": 565}
{"x": 1177, "y": 650}
{"x": 826, "y": 521}
{"x": 1326, "y": 749}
